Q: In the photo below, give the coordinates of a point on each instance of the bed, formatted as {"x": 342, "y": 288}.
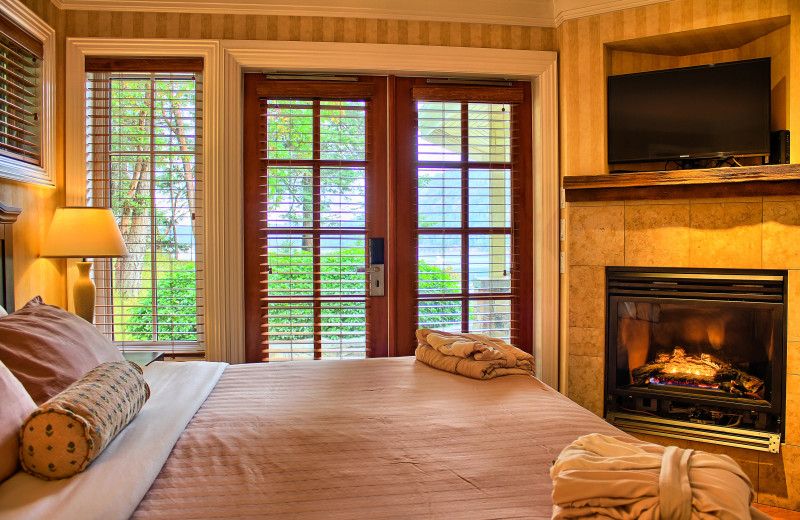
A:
{"x": 373, "y": 438}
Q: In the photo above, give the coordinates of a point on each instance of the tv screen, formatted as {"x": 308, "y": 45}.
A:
{"x": 720, "y": 110}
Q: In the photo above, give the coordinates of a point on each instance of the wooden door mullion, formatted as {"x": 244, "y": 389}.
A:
{"x": 316, "y": 258}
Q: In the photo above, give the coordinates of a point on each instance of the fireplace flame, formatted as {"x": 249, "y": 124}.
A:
{"x": 703, "y": 371}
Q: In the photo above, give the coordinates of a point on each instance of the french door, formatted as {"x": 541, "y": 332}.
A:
{"x": 444, "y": 176}
{"x": 315, "y": 193}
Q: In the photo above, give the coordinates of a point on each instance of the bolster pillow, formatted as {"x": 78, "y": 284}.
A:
{"x": 66, "y": 433}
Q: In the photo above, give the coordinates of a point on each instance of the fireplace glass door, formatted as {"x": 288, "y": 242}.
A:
{"x": 717, "y": 350}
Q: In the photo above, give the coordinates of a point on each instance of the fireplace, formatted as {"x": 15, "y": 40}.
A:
{"x": 697, "y": 354}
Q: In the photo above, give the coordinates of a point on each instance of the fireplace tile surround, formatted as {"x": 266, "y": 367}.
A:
{"x": 745, "y": 233}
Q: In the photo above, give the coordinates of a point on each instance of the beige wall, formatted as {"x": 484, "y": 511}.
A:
{"x": 757, "y": 232}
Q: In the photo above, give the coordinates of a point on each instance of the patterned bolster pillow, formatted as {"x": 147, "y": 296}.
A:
{"x": 65, "y": 434}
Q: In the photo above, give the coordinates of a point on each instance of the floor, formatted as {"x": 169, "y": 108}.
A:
{"x": 778, "y": 513}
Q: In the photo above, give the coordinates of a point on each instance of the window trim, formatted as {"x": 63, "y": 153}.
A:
{"x": 78, "y": 49}
{"x": 20, "y": 170}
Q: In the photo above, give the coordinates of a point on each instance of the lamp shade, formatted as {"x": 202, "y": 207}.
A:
{"x": 84, "y": 232}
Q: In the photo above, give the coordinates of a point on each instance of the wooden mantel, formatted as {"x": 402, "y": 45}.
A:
{"x": 746, "y": 181}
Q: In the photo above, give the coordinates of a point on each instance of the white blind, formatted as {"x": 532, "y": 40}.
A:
{"x": 20, "y": 94}
{"x": 313, "y": 222}
{"x": 468, "y": 257}
{"x": 144, "y": 150}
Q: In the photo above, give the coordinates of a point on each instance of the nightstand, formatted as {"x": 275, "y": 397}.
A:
{"x": 143, "y": 358}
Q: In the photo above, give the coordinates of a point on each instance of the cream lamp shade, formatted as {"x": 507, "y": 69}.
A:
{"x": 84, "y": 232}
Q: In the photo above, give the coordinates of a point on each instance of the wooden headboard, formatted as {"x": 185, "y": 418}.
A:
{"x": 8, "y": 216}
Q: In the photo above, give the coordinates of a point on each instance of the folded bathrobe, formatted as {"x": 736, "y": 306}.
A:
{"x": 598, "y": 476}
{"x": 472, "y": 355}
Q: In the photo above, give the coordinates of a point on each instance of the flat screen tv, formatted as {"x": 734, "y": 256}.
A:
{"x": 720, "y": 110}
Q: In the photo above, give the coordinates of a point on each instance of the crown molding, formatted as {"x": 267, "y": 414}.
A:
{"x": 571, "y": 9}
{"x": 505, "y": 12}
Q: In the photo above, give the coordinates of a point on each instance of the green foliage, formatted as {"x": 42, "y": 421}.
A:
{"x": 292, "y": 273}
{"x": 175, "y": 309}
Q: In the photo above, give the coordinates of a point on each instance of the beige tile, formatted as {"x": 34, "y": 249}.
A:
{"x": 657, "y": 235}
{"x": 585, "y": 382}
{"x": 595, "y": 235}
{"x": 793, "y": 306}
{"x": 725, "y": 200}
{"x": 587, "y": 341}
{"x": 779, "y": 478}
{"x": 781, "y": 235}
{"x": 793, "y": 358}
{"x": 586, "y": 296}
{"x": 726, "y": 235}
{"x": 793, "y": 409}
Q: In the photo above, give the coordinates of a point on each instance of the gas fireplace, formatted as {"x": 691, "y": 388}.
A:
{"x": 697, "y": 354}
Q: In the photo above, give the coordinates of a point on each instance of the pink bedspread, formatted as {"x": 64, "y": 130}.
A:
{"x": 378, "y": 438}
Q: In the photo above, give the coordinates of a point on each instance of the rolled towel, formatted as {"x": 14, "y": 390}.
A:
{"x": 598, "y": 476}
{"x": 472, "y": 355}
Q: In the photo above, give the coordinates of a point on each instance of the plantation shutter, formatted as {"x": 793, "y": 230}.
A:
{"x": 307, "y": 218}
{"x": 20, "y": 94}
{"x": 144, "y": 159}
{"x": 464, "y": 167}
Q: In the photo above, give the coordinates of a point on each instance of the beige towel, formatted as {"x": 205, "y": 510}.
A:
{"x": 472, "y": 355}
{"x": 598, "y": 476}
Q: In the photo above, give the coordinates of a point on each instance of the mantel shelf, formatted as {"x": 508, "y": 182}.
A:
{"x": 746, "y": 181}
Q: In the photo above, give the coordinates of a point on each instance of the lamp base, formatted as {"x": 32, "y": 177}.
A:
{"x": 83, "y": 292}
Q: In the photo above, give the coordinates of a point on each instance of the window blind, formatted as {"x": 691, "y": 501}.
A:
{"x": 144, "y": 158}
{"x": 465, "y": 165}
{"x": 310, "y": 216}
{"x": 20, "y": 93}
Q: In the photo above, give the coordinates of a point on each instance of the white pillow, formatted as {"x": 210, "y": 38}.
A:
{"x": 3, "y": 311}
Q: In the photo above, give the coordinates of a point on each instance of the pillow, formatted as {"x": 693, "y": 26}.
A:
{"x": 64, "y": 435}
{"x": 48, "y": 348}
{"x": 16, "y": 406}
{"x": 2, "y": 312}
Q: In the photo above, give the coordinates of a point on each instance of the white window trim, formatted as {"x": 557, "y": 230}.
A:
{"x": 77, "y": 51}
{"x": 223, "y": 256}
{"x": 20, "y": 170}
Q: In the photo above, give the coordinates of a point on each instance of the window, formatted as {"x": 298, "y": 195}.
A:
{"x": 20, "y": 94}
{"x": 467, "y": 240}
{"x": 311, "y": 202}
{"x": 456, "y": 214}
{"x": 144, "y": 150}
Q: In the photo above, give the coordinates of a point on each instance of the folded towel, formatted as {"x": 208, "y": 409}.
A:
{"x": 598, "y": 476}
{"x": 472, "y": 355}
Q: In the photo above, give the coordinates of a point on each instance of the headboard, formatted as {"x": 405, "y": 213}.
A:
{"x": 8, "y": 216}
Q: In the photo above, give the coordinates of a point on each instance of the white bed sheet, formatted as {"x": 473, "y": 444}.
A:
{"x": 114, "y": 484}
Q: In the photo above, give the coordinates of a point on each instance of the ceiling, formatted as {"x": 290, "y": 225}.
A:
{"x": 537, "y": 13}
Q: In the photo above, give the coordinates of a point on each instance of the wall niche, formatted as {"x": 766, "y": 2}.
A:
{"x": 764, "y": 38}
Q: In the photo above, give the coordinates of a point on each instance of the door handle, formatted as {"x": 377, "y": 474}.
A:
{"x": 377, "y": 275}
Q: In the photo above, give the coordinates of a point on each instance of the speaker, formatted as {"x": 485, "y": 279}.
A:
{"x": 779, "y": 147}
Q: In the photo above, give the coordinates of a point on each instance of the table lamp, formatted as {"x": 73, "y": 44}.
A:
{"x": 84, "y": 232}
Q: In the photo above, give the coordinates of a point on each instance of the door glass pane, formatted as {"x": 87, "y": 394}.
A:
{"x": 439, "y": 269}
{"x": 289, "y": 259}
{"x": 489, "y": 131}
{"x": 439, "y": 197}
{"x": 489, "y": 263}
{"x": 289, "y": 330}
{"x": 490, "y": 198}
{"x": 438, "y": 131}
{"x": 290, "y": 129}
{"x": 490, "y": 317}
{"x": 343, "y": 197}
{"x": 440, "y": 315}
{"x": 290, "y": 200}
{"x": 343, "y": 130}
